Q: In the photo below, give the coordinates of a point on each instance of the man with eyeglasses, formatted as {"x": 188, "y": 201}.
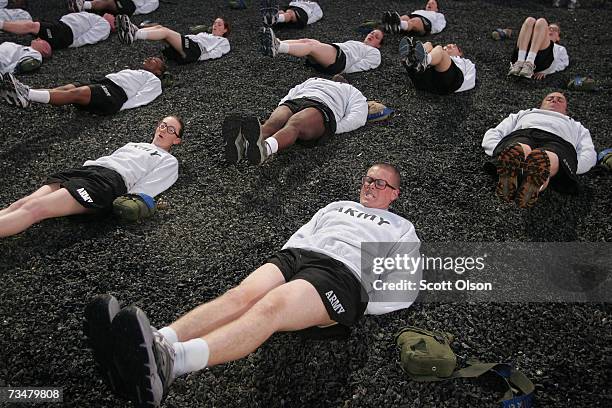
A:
{"x": 537, "y": 147}
{"x": 316, "y": 280}
{"x": 145, "y": 169}
{"x": 115, "y": 92}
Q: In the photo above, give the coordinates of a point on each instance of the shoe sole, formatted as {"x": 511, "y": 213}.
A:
{"x": 508, "y": 167}
{"x": 251, "y": 131}
{"x": 395, "y": 21}
{"x": 269, "y": 11}
{"x": 537, "y": 168}
{"x": 133, "y": 344}
{"x": 12, "y": 94}
{"x": 231, "y": 135}
{"x": 99, "y": 315}
{"x": 266, "y": 42}
{"x": 420, "y": 55}
{"x": 124, "y": 33}
{"x": 404, "y": 49}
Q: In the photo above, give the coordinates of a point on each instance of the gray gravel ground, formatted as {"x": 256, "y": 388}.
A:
{"x": 223, "y": 221}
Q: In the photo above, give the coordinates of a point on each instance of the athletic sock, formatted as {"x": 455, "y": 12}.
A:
{"x": 280, "y": 18}
{"x": 140, "y": 35}
{"x": 522, "y": 55}
{"x": 271, "y": 145}
{"x": 531, "y": 57}
{"x": 428, "y": 59}
{"x": 283, "y": 48}
{"x": 1, "y": 25}
{"x": 87, "y": 5}
{"x": 404, "y": 25}
{"x": 39, "y": 96}
{"x": 169, "y": 334}
{"x": 190, "y": 356}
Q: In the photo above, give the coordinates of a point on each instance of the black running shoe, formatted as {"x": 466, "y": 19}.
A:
{"x": 269, "y": 12}
{"x": 268, "y": 43}
{"x": 99, "y": 315}
{"x": 235, "y": 143}
{"x": 143, "y": 357}
{"x": 256, "y": 152}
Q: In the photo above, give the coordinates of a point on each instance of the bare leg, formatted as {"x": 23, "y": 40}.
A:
{"x": 108, "y": 6}
{"x": 289, "y": 16}
{"x": 44, "y": 190}
{"x": 524, "y": 37}
{"x": 62, "y": 96}
{"x": 324, "y": 54}
{"x": 293, "y": 306}
{"x": 161, "y": 33}
{"x": 440, "y": 59}
{"x": 58, "y": 203}
{"x": 304, "y": 125}
{"x": 21, "y": 27}
{"x": 229, "y": 306}
{"x": 540, "y": 40}
{"x": 415, "y": 24}
{"x": 276, "y": 121}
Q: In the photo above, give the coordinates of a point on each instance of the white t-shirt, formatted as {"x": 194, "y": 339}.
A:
{"x": 211, "y": 46}
{"x": 359, "y": 56}
{"x": 11, "y": 54}
{"x": 140, "y": 86}
{"x": 468, "y": 69}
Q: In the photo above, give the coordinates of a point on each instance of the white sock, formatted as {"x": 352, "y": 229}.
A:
{"x": 1, "y": 25}
{"x": 271, "y": 145}
{"x": 169, "y": 334}
{"x": 522, "y": 55}
{"x": 87, "y": 5}
{"x": 140, "y": 35}
{"x": 280, "y": 18}
{"x": 428, "y": 59}
{"x": 190, "y": 356}
{"x": 39, "y": 96}
{"x": 404, "y": 25}
{"x": 283, "y": 48}
{"x": 531, "y": 56}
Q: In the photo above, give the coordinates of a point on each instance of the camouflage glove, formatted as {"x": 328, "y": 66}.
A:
{"x": 134, "y": 207}
{"x": 27, "y": 64}
{"x": 582, "y": 83}
{"x": 377, "y": 111}
{"x": 604, "y": 158}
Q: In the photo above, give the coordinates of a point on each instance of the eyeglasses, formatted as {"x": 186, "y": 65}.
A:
{"x": 169, "y": 129}
{"x": 380, "y": 184}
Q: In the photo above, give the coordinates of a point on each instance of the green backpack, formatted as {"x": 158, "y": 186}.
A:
{"x": 426, "y": 355}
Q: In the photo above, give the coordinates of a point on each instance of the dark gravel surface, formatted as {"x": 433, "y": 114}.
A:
{"x": 223, "y": 221}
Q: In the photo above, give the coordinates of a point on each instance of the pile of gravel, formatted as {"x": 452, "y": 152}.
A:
{"x": 223, "y": 221}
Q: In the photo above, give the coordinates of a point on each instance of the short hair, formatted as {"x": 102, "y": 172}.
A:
{"x": 391, "y": 168}
{"x": 460, "y": 50}
{"x": 181, "y": 122}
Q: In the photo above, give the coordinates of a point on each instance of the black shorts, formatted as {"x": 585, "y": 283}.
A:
{"x": 544, "y": 58}
{"x": 300, "y": 15}
{"x": 125, "y": 7}
{"x": 441, "y": 83}
{"x": 336, "y": 68}
{"x": 190, "y": 48}
{"x": 329, "y": 120}
{"x": 425, "y": 20}
{"x": 58, "y": 35}
{"x": 107, "y": 98}
{"x": 339, "y": 289}
{"x": 93, "y": 187}
{"x": 565, "y": 181}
